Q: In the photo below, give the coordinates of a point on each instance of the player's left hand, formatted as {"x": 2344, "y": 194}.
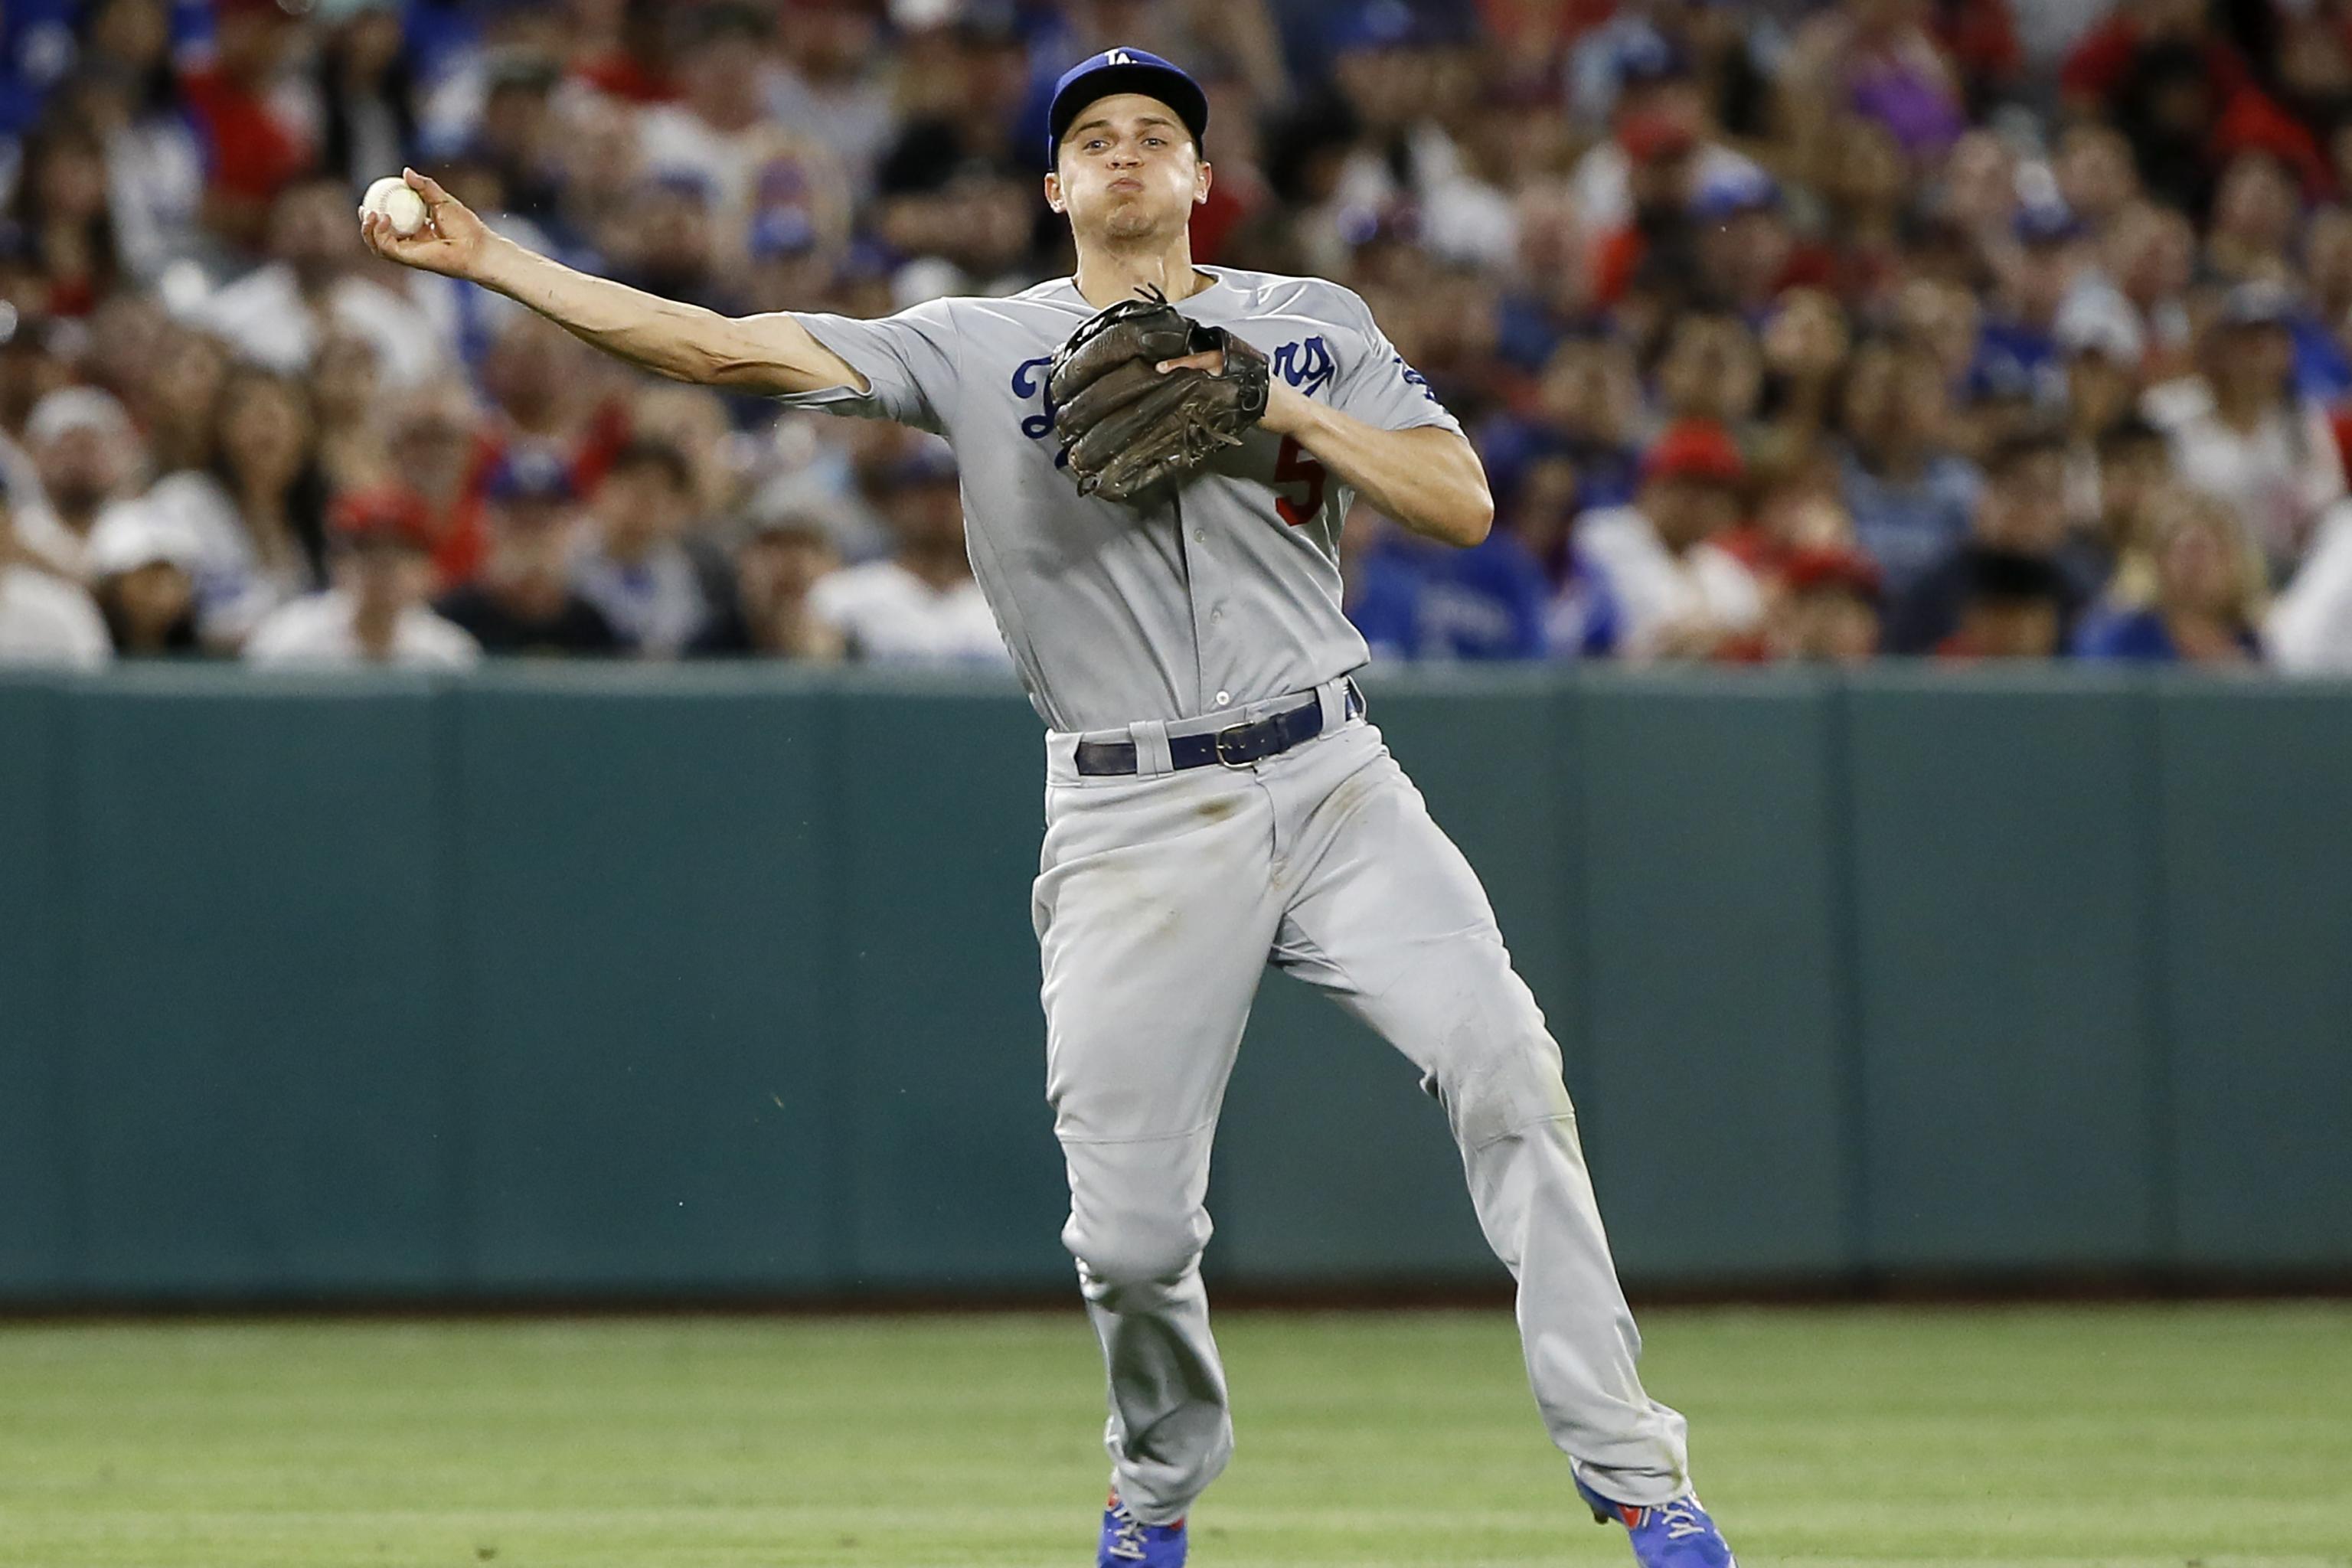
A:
{"x": 1143, "y": 394}
{"x": 1283, "y": 406}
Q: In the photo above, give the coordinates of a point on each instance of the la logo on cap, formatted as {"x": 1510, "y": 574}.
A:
{"x": 1118, "y": 58}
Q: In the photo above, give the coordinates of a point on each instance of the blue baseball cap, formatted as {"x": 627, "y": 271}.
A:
{"x": 1649, "y": 57}
{"x": 532, "y": 473}
{"x": 782, "y": 231}
{"x": 1729, "y": 195}
{"x": 2045, "y": 222}
{"x": 1123, "y": 70}
{"x": 1378, "y": 24}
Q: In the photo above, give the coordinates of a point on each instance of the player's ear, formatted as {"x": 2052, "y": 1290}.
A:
{"x": 1054, "y": 192}
{"x": 1202, "y": 175}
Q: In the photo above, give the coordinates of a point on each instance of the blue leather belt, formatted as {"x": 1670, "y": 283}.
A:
{"x": 1234, "y": 746}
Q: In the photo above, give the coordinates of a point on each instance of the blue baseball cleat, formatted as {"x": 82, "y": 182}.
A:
{"x": 1676, "y": 1535}
{"x": 1129, "y": 1542}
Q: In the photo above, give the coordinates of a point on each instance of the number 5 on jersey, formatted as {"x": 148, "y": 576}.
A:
{"x": 1292, "y": 465}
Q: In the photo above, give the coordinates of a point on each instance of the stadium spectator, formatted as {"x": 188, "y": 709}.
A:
{"x": 2208, "y": 589}
{"x": 34, "y": 362}
{"x": 719, "y": 134}
{"x": 516, "y": 140}
{"x": 45, "y": 618}
{"x": 831, "y": 84}
{"x": 1746, "y": 254}
{"x": 1657, "y": 112}
{"x": 1679, "y": 592}
{"x": 523, "y": 601}
{"x": 1805, "y": 344}
{"x": 695, "y": 421}
{"x": 1710, "y": 368}
{"x": 1826, "y": 608}
{"x": 1910, "y": 495}
{"x": 2094, "y": 174}
{"x": 2133, "y": 470}
{"x": 919, "y": 604}
{"x": 441, "y": 452}
{"x": 2100, "y": 350}
{"x": 63, "y": 216}
{"x": 2018, "y": 350}
{"x": 777, "y": 566}
{"x": 2150, "y": 255}
{"x": 2011, "y": 606}
{"x": 257, "y": 508}
{"x": 143, "y": 564}
{"x": 546, "y": 392}
{"x": 1877, "y": 60}
{"x": 1584, "y": 410}
{"x": 252, "y": 150}
{"x": 176, "y": 391}
{"x": 84, "y": 453}
{"x": 2309, "y": 629}
{"x": 127, "y": 94}
{"x": 363, "y": 93}
{"x": 2241, "y": 430}
{"x": 626, "y": 56}
{"x": 635, "y": 567}
{"x": 2020, "y": 515}
{"x": 377, "y": 612}
{"x": 346, "y": 402}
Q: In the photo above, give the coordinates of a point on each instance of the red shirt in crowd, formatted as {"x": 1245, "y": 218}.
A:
{"x": 249, "y": 150}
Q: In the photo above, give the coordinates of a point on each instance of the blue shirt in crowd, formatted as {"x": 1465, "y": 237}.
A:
{"x": 1414, "y": 599}
{"x": 2014, "y": 360}
{"x": 2136, "y": 635}
{"x": 1905, "y": 527}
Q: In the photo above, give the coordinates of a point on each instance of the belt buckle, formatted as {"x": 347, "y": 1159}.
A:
{"x": 1219, "y": 742}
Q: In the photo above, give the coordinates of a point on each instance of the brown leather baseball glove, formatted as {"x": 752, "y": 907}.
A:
{"x": 1125, "y": 425}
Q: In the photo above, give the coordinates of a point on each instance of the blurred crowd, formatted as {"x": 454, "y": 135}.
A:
{"x": 1817, "y": 329}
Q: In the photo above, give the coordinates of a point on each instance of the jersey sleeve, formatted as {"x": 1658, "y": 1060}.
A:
{"x": 1377, "y": 386}
{"x": 908, "y": 360}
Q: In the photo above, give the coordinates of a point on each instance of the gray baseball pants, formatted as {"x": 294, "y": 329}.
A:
{"x": 1160, "y": 899}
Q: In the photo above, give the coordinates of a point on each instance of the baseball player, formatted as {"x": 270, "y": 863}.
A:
{"x": 1155, "y": 462}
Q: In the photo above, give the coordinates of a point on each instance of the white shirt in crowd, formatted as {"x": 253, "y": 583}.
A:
{"x": 45, "y": 620}
{"x": 2309, "y": 631}
{"x": 319, "y": 630}
{"x": 886, "y": 614}
{"x": 155, "y": 183}
{"x": 44, "y": 533}
{"x": 1463, "y": 217}
{"x": 233, "y": 590}
{"x": 2279, "y": 480}
{"x": 1656, "y": 590}
{"x": 265, "y": 319}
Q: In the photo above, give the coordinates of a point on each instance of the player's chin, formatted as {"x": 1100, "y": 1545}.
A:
{"x": 1131, "y": 218}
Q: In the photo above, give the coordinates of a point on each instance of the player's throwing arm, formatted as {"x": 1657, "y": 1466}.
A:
{"x": 684, "y": 342}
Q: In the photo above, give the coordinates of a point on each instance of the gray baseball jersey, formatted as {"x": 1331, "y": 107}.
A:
{"x": 1213, "y": 594}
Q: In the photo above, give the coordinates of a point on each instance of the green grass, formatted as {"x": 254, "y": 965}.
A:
{"x": 2141, "y": 1436}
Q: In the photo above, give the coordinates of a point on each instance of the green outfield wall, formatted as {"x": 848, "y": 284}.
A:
{"x": 631, "y": 983}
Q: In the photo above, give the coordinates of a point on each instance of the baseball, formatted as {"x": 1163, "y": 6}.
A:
{"x": 401, "y": 207}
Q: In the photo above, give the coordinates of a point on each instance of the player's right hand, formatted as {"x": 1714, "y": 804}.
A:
{"x": 452, "y": 241}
